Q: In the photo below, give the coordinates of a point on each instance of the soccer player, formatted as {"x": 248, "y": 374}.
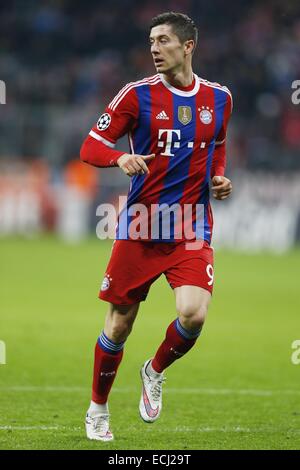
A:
{"x": 176, "y": 123}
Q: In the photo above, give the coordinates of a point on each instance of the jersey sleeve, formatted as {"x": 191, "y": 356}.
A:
{"x": 119, "y": 116}
{"x": 219, "y": 155}
{"x": 117, "y": 119}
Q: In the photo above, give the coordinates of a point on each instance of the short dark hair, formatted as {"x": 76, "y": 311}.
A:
{"x": 182, "y": 25}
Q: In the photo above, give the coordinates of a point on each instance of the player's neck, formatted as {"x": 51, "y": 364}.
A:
{"x": 182, "y": 79}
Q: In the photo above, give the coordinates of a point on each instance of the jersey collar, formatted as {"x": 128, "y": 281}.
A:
{"x": 182, "y": 92}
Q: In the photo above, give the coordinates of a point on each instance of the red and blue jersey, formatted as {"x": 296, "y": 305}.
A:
{"x": 186, "y": 129}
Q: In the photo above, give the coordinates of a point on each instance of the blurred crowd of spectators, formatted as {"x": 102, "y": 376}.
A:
{"x": 63, "y": 60}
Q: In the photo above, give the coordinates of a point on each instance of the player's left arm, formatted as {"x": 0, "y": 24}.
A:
{"x": 221, "y": 185}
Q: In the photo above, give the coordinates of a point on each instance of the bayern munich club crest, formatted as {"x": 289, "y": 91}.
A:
{"x": 205, "y": 115}
{"x": 103, "y": 122}
{"x": 106, "y": 282}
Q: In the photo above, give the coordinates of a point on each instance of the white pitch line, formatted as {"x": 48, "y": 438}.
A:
{"x": 182, "y": 429}
{"x": 29, "y": 428}
{"x": 177, "y": 391}
{"x": 228, "y": 391}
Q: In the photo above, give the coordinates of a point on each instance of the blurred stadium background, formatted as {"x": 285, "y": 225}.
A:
{"x": 62, "y": 61}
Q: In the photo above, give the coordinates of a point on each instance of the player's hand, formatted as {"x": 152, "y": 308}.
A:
{"x": 134, "y": 164}
{"x": 221, "y": 187}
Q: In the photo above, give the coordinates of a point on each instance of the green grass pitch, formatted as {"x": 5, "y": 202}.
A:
{"x": 236, "y": 389}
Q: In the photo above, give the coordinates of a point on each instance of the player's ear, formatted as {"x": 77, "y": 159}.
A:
{"x": 189, "y": 46}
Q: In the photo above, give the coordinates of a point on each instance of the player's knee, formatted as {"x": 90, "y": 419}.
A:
{"x": 119, "y": 331}
{"x": 193, "y": 317}
{"x": 119, "y": 322}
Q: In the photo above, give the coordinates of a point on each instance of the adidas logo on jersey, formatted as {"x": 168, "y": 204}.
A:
{"x": 162, "y": 115}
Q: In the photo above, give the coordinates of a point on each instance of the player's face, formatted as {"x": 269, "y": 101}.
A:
{"x": 166, "y": 49}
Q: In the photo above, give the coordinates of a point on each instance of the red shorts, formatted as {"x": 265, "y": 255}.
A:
{"x": 135, "y": 265}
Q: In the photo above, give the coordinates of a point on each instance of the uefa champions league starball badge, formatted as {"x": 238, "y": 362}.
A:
{"x": 103, "y": 122}
{"x": 206, "y": 115}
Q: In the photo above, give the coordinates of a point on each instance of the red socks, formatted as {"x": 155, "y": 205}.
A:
{"x": 108, "y": 356}
{"x": 178, "y": 341}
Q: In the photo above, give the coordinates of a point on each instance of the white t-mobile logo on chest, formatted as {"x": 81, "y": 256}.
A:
{"x": 172, "y": 140}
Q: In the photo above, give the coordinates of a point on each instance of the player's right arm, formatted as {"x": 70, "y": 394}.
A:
{"x": 119, "y": 118}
